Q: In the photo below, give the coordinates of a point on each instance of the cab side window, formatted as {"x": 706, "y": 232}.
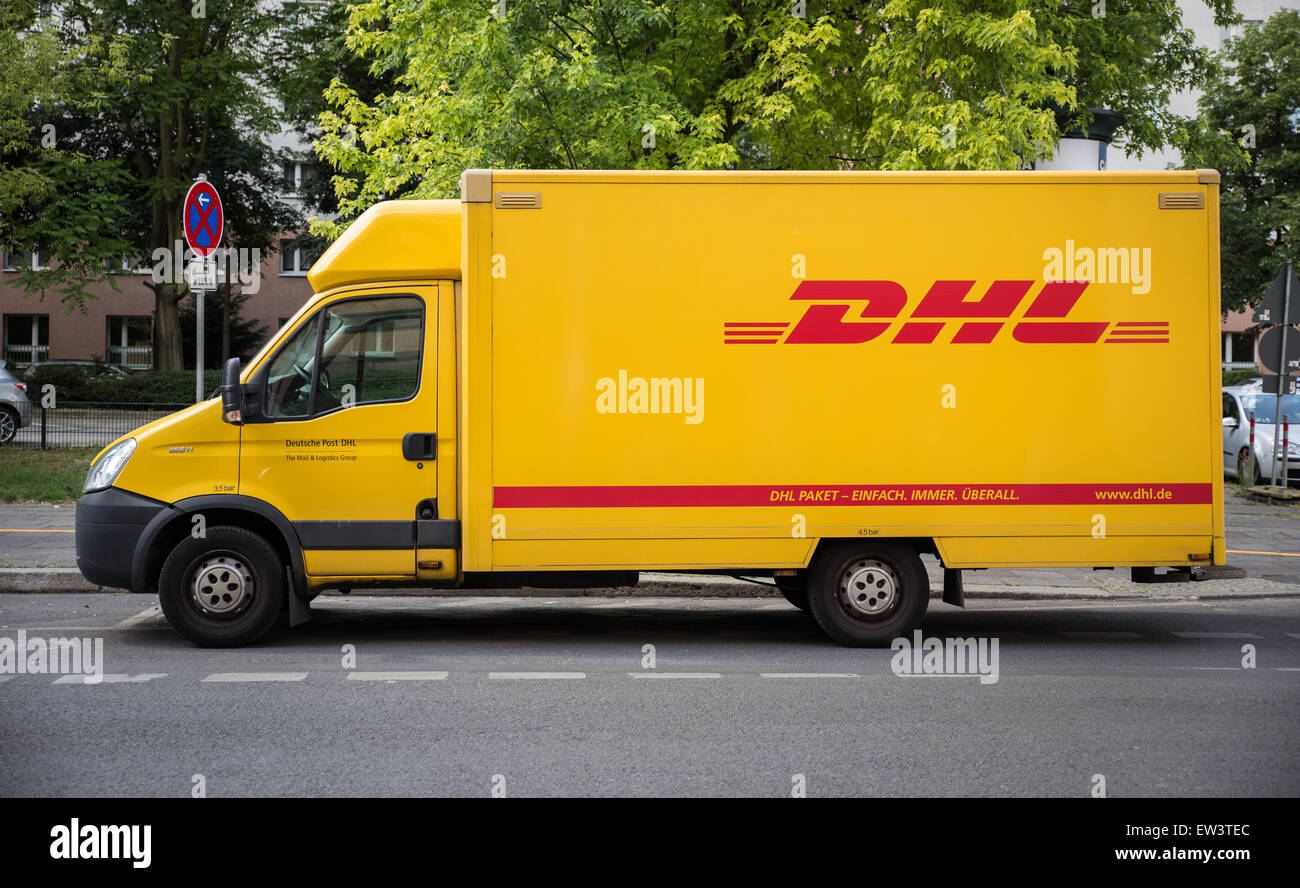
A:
{"x": 371, "y": 351}
{"x": 357, "y": 351}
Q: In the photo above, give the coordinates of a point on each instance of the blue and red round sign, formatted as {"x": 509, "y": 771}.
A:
{"x": 204, "y": 219}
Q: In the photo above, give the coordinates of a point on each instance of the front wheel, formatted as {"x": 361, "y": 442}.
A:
{"x": 864, "y": 595}
{"x": 224, "y": 590}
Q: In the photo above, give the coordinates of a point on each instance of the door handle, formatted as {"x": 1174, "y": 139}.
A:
{"x": 420, "y": 446}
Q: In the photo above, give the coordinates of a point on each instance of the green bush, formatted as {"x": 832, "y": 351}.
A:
{"x": 1237, "y": 377}
{"x": 74, "y": 384}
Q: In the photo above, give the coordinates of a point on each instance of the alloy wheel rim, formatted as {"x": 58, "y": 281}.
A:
{"x": 869, "y": 589}
{"x": 222, "y": 586}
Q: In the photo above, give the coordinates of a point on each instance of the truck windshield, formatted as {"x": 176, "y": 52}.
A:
{"x": 1265, "y": 407}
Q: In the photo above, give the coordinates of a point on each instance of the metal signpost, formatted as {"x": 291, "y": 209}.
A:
{"x": 203, "y": 221}
{"x": 1277, "y": 302}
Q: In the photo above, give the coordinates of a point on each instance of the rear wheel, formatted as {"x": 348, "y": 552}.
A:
{"x": 9, "y": 420}
{"x": 864, "y": 595}
{"x": 224, "y": 590}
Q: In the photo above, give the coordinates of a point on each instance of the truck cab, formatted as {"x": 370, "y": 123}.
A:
{"x": 328, "y": 460}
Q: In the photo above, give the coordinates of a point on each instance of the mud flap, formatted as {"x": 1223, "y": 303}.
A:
{"x": 953, "y": 593}
{"x": 299, "y": 611}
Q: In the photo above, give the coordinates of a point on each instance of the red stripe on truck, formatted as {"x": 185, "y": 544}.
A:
{"x": 673, "y": 496}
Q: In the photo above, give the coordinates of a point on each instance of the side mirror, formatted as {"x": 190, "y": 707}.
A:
{"x": 1230, "y": 422}
{"x": 231, "y": 394}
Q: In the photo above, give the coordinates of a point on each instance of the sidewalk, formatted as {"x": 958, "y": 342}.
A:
{"x": 38, "y": 554}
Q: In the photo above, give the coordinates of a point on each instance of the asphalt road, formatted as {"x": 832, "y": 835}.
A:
{"x": 549, "y": 697}
{"x": 1265, "y": 538}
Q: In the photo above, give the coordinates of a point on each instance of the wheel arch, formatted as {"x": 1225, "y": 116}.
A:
{"x": 828, "y": 545}
{"x": 175, "y": 523}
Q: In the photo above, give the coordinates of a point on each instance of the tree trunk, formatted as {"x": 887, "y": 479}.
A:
{"x": 167, "y": 350}
{"x": 225, "y": 324}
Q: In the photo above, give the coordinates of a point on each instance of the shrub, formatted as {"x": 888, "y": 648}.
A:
{"x": 73, "y": 384}
{"x": 1237, "y": 377}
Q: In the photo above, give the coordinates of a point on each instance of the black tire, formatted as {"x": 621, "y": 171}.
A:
{"x": 225, "y": 590}
{"x": 794, "y": 591}
{"x": 889, "y": 582}
{"x": 9, "y": 420}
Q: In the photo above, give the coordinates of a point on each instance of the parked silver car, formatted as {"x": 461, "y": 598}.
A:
{"x": 1239, "y": 402}
{"x": 15, "y": 409}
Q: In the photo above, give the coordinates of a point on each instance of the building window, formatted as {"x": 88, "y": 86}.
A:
{"x": 297, "y": 255}
{"x": 130, "y": 341}
{"x": 27, "y": 338}
{"x": 295, "y": 175}
{"x": 21, "y": 260}
{"x": 1238, "y": 351}
{"x": 129, "y": 265}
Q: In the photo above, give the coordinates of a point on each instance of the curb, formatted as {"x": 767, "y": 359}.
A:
{"x": 47, "y": 579}
{"x": 54, "y": 580}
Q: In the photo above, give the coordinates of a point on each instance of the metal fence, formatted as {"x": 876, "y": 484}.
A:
{"x": 86, "y": 424}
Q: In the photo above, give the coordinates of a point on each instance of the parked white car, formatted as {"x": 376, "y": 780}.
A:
{"x": 15, "y": 409}
{"x": 1239, "y": 403}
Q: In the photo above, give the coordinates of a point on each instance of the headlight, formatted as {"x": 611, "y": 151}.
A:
{"x": 105, "y": 470}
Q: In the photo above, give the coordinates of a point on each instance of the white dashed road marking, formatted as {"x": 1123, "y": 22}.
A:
{"x": 255, "y": 676}
{"x": 109, "y": 678}
{"x": 1217, "y": 635}
{"x": 1102, "y": 635}
{"x": 1212, "y": 668}
{"x": 147, "y": 614}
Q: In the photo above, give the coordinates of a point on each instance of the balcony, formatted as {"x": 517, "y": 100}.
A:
{"x": 20, "y": 355}
{"x": 133, "y": 357}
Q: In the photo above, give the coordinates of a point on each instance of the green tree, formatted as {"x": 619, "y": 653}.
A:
{"x": 902, "y": 84}
{"x": 309, "y": 52}
{"x": 700, "y": 85}
{"x": 238, "y": 335}
{"x": 55, "y": 194}
{"x": 1255, "y": 96}
{"x": 154, "y": 92}
{"x": 1132, "y": 56}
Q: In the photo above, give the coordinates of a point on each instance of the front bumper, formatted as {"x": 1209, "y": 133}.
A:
{"x": 110, "y": 523}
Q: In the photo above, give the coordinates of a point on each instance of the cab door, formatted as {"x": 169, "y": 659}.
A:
{"x": 346, "y": 443}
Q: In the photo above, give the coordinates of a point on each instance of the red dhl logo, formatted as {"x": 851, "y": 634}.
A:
{"x": 880, "y": 304}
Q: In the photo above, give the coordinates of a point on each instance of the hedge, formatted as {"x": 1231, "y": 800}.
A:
{"x": 145, "y": 387}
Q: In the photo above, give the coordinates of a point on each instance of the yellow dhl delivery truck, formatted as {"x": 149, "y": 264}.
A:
{"x": 564, "y": 378}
